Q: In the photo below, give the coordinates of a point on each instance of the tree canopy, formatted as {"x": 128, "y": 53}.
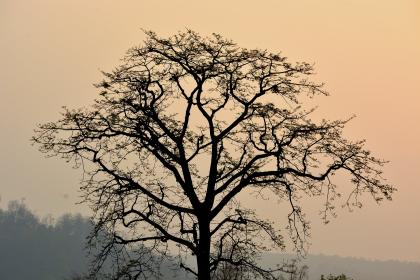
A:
{"x": 183, "y": 126}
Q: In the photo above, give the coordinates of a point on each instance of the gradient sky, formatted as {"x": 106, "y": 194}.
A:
{"x": 366, "y": 51}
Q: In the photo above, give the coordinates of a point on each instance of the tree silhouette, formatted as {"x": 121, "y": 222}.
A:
{"x": 339, "y": 277}
{"x": 187, "y": 123}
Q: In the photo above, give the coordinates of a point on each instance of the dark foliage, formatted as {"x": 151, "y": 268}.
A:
{"x": 339, "y": 277}
{"x": 32, "y": 249}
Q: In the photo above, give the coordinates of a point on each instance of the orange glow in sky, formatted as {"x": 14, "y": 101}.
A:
{"x": 366, "y": 51}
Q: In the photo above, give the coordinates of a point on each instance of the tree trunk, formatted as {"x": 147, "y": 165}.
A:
{"x": 203, "y": 253}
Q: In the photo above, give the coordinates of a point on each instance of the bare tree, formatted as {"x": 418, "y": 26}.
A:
{"x": 187, "y": 123}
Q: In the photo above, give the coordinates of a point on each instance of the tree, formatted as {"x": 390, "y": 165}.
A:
{"x": 187, "y": 123}
{"x": 339, "y": 277}
{"x": 296, "y": 272}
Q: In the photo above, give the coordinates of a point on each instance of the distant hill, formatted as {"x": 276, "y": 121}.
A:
{"x": 35, "y": 249}
{"x": 356, "y": 268}
{"x": 31, "y": 248}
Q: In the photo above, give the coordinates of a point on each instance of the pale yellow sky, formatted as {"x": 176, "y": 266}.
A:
{"x": 366, "y": 51}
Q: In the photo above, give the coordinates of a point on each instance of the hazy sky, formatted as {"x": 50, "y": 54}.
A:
{"x": 366, "y": 51}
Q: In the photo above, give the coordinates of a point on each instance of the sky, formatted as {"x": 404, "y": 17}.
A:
{"x": 366, "y": 51}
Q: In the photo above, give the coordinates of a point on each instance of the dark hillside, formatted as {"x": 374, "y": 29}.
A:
{"x": 41, "y": 250}
{"x": 356, "y": 268}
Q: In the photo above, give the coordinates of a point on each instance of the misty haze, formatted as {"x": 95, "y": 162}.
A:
{"x": 215, "y": 140}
